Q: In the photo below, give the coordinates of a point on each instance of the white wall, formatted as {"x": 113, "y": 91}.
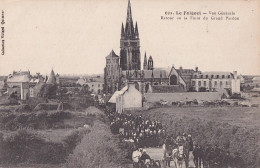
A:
{"x": 132, "y": 98}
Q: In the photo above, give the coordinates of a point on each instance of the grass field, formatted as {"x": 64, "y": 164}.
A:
{"x": 239, "y": 116}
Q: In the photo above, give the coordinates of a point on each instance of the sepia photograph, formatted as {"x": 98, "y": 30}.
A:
{"x": 130, "y": 84}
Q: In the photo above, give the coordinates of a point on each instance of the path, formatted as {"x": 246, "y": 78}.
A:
{"x": 157, "y": 154}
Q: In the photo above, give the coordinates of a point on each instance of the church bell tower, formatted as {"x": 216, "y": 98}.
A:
{"x": 130, "y": 44}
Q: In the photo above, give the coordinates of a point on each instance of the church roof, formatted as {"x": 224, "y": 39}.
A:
{"x": 112, "y": 54}
{"x": 51, "y": 78}
{"x": 157, "y": 73}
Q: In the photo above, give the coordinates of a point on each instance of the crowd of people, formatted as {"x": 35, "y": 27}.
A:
{"x": 146, "y": 133}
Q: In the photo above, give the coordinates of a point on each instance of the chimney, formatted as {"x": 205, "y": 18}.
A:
{"x": 196, "y": 69}
{"x": 235, "y": 75}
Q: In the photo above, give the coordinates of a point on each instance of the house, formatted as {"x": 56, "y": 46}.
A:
{"x": 214, "y": 81}
{"x": 127, "y": 98}
{"x": 95, "y": 83}
{"x": 256, "y": 81}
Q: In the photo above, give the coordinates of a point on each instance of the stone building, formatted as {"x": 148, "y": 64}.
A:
{"x": 130, "y": 44}
{"x": 112, "y": 73}
{"x": 215, "y": 81}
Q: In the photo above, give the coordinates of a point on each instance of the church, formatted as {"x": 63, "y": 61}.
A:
{"x": 126, "y": 67}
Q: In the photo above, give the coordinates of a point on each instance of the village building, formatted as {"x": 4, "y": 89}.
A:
{"x": 128, "y": 98}
{"x": 214, "y": 81}
{"x": 95, "y": 84}
{"x": 256, "y": 81}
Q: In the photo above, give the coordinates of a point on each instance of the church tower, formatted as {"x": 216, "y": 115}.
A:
{"x": 129, "y": 44}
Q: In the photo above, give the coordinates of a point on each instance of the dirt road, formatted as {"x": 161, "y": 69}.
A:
{"x": 157, "y": 154}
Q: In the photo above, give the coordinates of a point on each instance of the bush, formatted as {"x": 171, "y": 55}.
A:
{"x": 23, "y": 108}
{"x": 97, "y": 149}
{"x": 72, "y": 140}
{"x": 27, "y": 146}
{"x": 39, "y": 120}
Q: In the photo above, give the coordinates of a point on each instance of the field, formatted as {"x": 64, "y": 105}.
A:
{"x": 239, "y": 116}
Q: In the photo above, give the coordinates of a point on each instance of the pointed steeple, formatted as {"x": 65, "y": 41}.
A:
{"x": 129, "y": 27}
{"x": 129, "y": 12}
{"x": 136, "y": 30}
{"x": 122, "y": 30}
{"x": 145, "y": 62}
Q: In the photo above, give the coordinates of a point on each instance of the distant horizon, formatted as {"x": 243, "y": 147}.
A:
{"x": 102, "y": 74}
{"x": 75, "y": 37}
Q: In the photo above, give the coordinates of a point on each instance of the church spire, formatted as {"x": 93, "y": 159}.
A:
{"x": 145, "y": 62}
{"x": 136, "y": 30}
{"x": 129, "y": 27}
{"x": 129, "y": 12}
{"x": 122, "y": 30}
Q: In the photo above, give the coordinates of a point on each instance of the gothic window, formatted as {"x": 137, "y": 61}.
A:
{"x": 217, "y": 76}
{"x": 221, "y": 84}
{"x": 226, "y": 83}
{"x": 212, "y": 76}
{"x": 207, "y": 76}
{"x": 205, "y": 83}
{"x": 199, "y": 83}
{"x": 201, "y": 76}
{"x": 215, "y": 83}
{"x": 223, "y": 76}
{"x": 173, "y": 80}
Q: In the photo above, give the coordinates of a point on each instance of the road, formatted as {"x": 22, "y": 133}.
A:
{"x": 157, "y": 154}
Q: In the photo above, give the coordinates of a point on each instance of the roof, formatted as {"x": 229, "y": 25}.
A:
{"x": 255, "y": 90}
{"x": 166, "y": 89}
{"x": 39, "y": 85}
{"x": 214, "y": 73}
{"x": 3, "y": 78}
{"x": 185, "y": 71}
{"x": 51, "y": 78}
{"x": 34, "y": 80}
{"x": 112, "y": 54}
{"x": 148, "y": 73}
{"x": 18, "y": 78}
{"x": 256, "y": 78}
{"x": 21, "y": 72}
{"x": 117, "y": 93}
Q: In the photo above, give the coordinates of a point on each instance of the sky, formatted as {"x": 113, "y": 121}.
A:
{"x": 74, "y": 37}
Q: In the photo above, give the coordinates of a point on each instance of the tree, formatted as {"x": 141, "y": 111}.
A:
{"x": 49, "y": 91}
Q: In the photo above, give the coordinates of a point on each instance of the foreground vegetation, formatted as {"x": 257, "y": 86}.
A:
{"x": 99, "y": 149}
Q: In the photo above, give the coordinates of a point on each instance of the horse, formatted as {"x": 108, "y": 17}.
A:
{"x": 179, "y": 157}
{"x": 167, "y": 154}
